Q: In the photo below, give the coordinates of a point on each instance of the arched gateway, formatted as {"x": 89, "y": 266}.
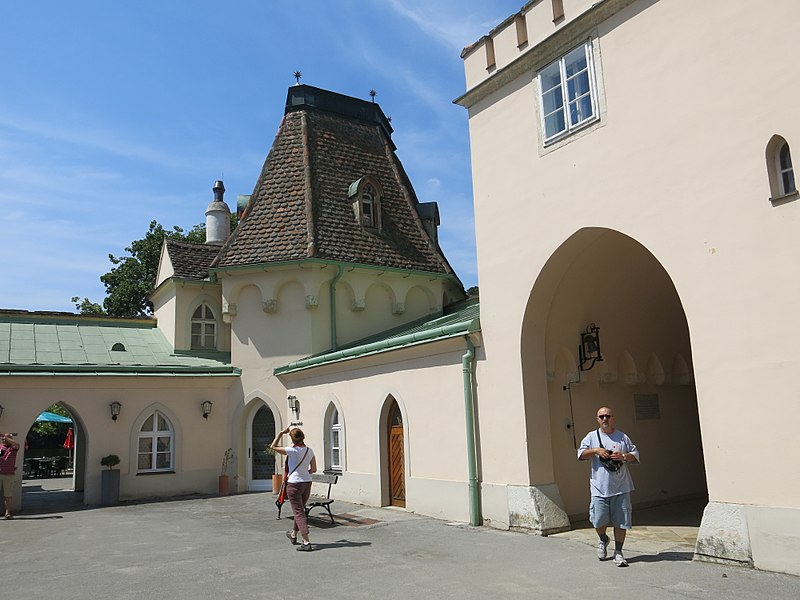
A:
{"x": 602, "y": 277}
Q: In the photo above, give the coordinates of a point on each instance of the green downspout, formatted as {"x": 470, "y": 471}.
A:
{"x": 469, "y": 410}
{"x": 334, "y": 281}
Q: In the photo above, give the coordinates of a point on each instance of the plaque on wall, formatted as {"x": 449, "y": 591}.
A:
{"x": 646, "y": 407}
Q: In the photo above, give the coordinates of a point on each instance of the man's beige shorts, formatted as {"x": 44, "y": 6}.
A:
{"x": 7, "y": 484}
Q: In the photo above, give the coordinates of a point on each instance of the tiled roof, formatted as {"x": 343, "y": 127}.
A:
{"x": 64, "y": 344}
{"x": 300, "y": 206}
{"x": 459, "y": 320}
{"x": 191, "y": 261}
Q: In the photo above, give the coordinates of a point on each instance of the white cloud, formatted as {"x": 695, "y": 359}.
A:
{"x": 452, "y": 23}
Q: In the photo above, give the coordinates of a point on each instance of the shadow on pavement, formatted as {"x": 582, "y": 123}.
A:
{"x": 339, "y": 544}
{"x": 661, "y": 557}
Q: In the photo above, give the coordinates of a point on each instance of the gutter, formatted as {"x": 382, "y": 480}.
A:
{"x": 411, "y": 339}
{"x": 332, "y": 288}
{"x": 72, "y": 371}
{"x": 475, "y": 518}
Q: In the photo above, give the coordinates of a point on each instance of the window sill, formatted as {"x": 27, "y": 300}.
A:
{"x": 778, "y": 200}
{"x": 156, "y": 473}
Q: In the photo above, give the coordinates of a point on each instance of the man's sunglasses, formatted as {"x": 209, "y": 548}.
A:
{"x": 604, "y": 416}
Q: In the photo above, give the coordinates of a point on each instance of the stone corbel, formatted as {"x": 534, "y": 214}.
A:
{"x": 399, "y": 308}
{"x": 228, "y": 312}
{"x": 359, "y": 304}
{"x": 608, "y": 377}
{"x": 270, "y": 306}
{"x": 312, "y": 302}
{"x": 635, "y": 378}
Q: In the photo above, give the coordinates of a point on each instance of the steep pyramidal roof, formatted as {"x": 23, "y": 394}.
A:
{"x": 300, "y": 206}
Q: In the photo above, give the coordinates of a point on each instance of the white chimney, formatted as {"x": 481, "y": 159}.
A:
{"x": 218, "y": 217}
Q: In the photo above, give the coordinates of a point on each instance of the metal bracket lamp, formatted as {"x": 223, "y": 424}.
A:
{"x": 206, "y": 406}
{"x": 115, "y": 408}
{"x": 589, "y": 349}
{"x": 294, "y": 405}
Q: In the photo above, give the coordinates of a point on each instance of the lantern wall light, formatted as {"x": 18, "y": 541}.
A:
{"x": 206, "y": 406}
{"x": 589, "y": 349}
{"x": 294, "y": 405}
{"x": 115, "y": 408}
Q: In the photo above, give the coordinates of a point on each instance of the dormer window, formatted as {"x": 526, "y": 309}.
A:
{"x": 204, "y": 328}
{"x": 366, "y": 195}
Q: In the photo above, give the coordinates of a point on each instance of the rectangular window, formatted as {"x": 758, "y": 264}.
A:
{"x": 567, "y": 93}
{"x": 336, "y": 448}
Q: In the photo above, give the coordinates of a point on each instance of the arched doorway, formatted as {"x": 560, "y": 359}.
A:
{"x": 604, "y": 277}
{"x": 54, "y": 451}
{"x": 261, "y": 464}
{"x": 396, "y": 457}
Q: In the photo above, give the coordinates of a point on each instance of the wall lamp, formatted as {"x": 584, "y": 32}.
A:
{"x": 1, "y": 410}
{"x": 206, "y": 406}
{"x": 294, "y": 405}
{"x": 589, "y": 349}
{"x": 115, "y": 408}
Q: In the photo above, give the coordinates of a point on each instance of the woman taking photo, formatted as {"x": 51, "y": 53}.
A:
{"x": 300, "y": 464}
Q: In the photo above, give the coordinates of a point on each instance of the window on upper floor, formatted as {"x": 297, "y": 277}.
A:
{"x": 335, "y": 440}
{"x": 568, "y": 93}
{"x": 779, "y": 168}
{"x": 366, "y": 194}
{"x": 204, "y": 328}
{"x": 156, "y": 444}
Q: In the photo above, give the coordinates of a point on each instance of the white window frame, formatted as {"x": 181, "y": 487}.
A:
{"x": 206, "y": 322}
{"x": 335, "y": 440}
{"x": 367, "y": 206}
{"x": 593, "y": 93}
{"x": 154, "y": 435}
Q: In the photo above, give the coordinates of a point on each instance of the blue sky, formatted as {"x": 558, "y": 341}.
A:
{"x": 116, "y": 113}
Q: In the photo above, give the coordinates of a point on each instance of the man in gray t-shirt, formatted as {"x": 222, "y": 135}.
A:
{"x": 610, "y": 482}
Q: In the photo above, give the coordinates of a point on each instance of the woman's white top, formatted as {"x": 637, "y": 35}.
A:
{"x": 294, "y": 455}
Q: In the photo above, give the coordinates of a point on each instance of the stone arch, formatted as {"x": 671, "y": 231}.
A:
{"x": 605, "y": 277}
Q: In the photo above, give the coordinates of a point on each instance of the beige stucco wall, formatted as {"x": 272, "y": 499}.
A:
{"x": 677, "y": 163}
{"x": 199, "y": 443}
{"x": 281, "y": 315}
{"x": 427, "y": 383}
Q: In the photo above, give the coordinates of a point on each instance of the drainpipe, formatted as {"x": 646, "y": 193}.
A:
{"x": 334, "y": 281}
{"x": 469, "y": 411}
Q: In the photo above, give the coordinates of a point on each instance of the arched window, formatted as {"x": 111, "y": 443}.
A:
{"x": 367, "y": 201}
{"x": 779, "y": 168}
{"x": 204, "y": 328}
{"x": 366, "y": 194}
{"x": 156, "y": 445}
{"x": 335, "y": 440}
{"x": 785, "y": 171}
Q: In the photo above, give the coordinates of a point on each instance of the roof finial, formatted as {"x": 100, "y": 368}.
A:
{"x": 297, "y": 75}
{"x": 372, "y": 94}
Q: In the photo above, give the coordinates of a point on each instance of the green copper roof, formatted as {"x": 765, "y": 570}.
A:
{"x": 65, "y": 344}
{"x": 462, "y": 319}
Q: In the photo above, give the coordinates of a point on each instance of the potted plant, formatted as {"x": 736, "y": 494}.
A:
{"x": 109, "y": 481}
{"x": 224, "y": 478}
{"x": 277, "y": 478}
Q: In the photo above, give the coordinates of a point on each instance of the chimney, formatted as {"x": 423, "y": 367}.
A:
{"x": 218, "y": 217}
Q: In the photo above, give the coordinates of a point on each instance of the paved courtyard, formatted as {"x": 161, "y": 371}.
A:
{"x": 234, "y": 547}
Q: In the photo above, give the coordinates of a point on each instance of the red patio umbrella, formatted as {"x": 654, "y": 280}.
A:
{"x": 69, "y": 443}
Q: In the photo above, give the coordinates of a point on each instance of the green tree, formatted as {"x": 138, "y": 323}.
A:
{"x": 130, "y": 282}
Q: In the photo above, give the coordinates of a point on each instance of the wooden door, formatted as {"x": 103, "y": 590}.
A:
{"x": 397, "y": 473}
